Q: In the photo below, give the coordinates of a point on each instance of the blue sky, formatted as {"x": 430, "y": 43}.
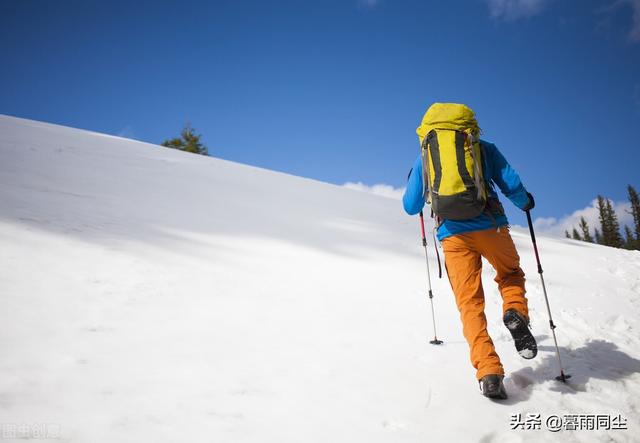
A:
{"x": 334, "y": 89}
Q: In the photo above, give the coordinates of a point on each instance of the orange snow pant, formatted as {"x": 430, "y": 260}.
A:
{"x": 463, "y": 261}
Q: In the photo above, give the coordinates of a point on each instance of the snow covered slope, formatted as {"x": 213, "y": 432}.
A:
{"x": 150, "y": 295}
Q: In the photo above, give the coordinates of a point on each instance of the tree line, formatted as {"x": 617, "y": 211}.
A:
{"x": 609, "y": 233}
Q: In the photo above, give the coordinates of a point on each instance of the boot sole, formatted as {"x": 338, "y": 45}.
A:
{"x": 523, "y": 338}
{"x": 501, "y": 395}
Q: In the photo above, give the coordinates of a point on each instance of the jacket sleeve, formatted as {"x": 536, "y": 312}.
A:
{"x": 506, "y": 177}
{"x": 413, "y": 200}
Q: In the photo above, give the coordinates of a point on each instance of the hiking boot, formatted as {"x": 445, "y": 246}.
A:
{"x": 518, "y": 325}
{"x": 492, "y": 387}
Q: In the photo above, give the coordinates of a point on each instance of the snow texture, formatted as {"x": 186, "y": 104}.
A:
{"x": 150, "y": 295}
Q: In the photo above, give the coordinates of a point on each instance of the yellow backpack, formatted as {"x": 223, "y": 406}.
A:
{"x": 452, "y": 162}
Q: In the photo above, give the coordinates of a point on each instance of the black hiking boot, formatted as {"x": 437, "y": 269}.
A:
{"x": 492, "y": 387}
{"x": 518, "y": 325}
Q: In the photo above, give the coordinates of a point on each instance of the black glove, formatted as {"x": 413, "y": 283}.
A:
{"x": 531, "y": 204}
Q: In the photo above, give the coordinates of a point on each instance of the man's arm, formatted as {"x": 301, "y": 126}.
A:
{"x": 413, "y": 200}
{"x": 507, "y": 178}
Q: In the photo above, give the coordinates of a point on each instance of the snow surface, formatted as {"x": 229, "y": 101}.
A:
{"x": 150, "y": 295}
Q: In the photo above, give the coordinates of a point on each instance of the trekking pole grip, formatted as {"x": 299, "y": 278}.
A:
{"x": 533, "y": 235}
{"x": 424, "y": 236}
{"x": 533, "y": 240}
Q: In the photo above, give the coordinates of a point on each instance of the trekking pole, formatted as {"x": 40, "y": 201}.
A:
{"x": 562, "y": 377}
{"x": 435, "y": 340}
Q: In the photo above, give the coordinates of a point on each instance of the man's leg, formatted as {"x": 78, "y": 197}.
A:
{"x": 464, "y": 267}
{"x": 498, "y": 248}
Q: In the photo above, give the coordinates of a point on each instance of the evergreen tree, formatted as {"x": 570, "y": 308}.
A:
{"x": 635, "y": 210}
{"x": 630, "y": 242}
{"x": 575, "y": 234}
{"x": 188, "y": 141}
{"x": 614, "y": 226}
{"x": 584, "y": 227}
{"x": 605, "y": 239}
{"x": 597, "y": 237}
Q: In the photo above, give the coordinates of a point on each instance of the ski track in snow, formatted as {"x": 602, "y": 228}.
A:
{"x": 154, "y": 295}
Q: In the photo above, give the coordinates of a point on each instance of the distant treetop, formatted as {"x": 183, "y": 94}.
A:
{"x": 188, "y": 141}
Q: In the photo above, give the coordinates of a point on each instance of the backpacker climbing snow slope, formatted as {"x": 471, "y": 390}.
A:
{"x": 454, "y": 174}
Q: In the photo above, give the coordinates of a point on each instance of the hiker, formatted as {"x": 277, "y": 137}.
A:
{"x": 459, "y": 184}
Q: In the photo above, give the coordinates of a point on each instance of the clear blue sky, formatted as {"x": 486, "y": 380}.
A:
{"x": 334, "y": 89}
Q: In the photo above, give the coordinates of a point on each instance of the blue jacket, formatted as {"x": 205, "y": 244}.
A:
{"x": 496, "y": 170}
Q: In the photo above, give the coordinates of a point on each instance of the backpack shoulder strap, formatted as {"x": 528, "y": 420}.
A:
{"x": 426, "y": 179}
